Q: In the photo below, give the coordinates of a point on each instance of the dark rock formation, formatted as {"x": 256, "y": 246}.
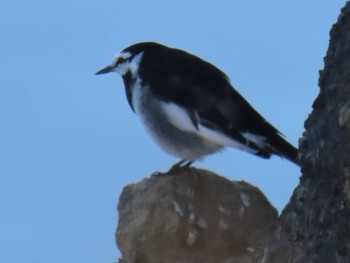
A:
{"x": 193, "y": 217}
{"x": 316, "y": 222}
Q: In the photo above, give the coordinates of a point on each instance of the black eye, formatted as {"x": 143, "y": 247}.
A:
{"x": 121, "y": 60}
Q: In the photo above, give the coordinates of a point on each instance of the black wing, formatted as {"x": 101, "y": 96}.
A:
{"x": 201, "y": 87}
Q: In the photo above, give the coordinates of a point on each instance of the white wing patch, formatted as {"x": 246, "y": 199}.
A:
{"x": 257, "y": 139}
{"x": 179, "y": 117}
{"x": 222, "y": 139}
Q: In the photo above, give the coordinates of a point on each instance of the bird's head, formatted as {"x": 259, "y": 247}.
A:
{"x": 129, "y": 60}
{"x": 123, "y": 63}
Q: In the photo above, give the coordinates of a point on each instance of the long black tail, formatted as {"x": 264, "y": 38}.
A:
{"x": 279, "y": 146}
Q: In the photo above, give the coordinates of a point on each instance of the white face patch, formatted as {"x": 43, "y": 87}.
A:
{"x": 128, "y": 64}
{"x": 124, "y": 55}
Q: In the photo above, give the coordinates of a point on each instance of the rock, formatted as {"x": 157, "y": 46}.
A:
{"x": 316, "y": 222}
{"x": 192, "y": 217}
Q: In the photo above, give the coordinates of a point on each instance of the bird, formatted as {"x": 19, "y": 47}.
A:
{"x": 189, "y": 106}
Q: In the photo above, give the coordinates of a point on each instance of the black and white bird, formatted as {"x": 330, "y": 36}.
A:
{"x": 189, "y": 106}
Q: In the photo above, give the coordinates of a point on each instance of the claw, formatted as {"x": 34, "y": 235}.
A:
{"x": 177, "y": 168}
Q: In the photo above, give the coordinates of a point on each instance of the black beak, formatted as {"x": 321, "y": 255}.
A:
{"x": 104, "y": 70}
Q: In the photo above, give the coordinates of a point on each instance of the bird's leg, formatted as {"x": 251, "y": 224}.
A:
{"x": 179, "y": 164}
{"x": 176, "y": 168}
{"x": 186, "y": 165}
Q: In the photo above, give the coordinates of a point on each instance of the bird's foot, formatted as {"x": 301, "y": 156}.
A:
{"x": 179, "y": 167}
{"x": 176, "y": 169}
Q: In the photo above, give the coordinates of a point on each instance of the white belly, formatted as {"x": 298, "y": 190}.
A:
{"x": 183, "y": 142}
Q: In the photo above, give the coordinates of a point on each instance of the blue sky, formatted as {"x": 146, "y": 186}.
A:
{"x": 69, "y": 142}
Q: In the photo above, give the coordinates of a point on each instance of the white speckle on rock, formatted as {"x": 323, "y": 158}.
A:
{"x": 192, "y": 237}
{"x": 222, "y": 209}
{"x": 202, "y": 222}
{"x": 190, "y": 192}
{"x": 250, "y": 249}
{"x": 344, "y": 116}
{"x": 245, "y": 199}
{"x": 178, "y": 208}
{"x": 192, "y": 216}
{"x": 223, "y": 224}
{"x": 241, "y": 211}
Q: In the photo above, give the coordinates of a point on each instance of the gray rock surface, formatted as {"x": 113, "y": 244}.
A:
{"x": 193, "y": 217}
{"x": 316, "y": 222}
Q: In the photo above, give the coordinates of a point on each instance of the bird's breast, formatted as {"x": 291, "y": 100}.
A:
{"x": 173, "y": 131}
